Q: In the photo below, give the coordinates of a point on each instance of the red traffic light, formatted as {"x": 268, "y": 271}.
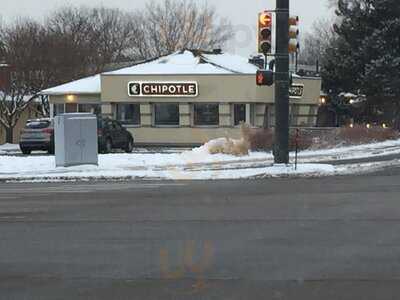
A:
{"x": 265, "y": 78}
{"x": 260, "y": 78}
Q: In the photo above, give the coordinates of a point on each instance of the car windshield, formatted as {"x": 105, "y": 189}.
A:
{"x": 38, "y": 124}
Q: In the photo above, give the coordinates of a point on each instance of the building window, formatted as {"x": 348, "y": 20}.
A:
{"x": 166, "y": 114}
{"x": 240, "y": 114}
{"x": 206, "y": 114}
{"x": 128, "y": 114}
{"x": 71, "y": 108}
{"x": 90, "y": 108}
{"x": 58, "y": 109}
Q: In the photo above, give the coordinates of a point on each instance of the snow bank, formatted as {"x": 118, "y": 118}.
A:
{"x": 226, "y": 146}
{"x": 197, "y": 164}
{"x": 7, "y": 148}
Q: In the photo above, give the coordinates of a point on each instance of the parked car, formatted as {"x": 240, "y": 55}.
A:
{"x": 112, "y": 135}
{"x": 38, "y": 135}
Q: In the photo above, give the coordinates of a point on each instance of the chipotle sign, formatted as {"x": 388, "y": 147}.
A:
{"x": 163, "y": 89}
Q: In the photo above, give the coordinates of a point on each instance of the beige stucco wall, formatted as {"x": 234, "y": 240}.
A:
{"x": 180, "y": 136}
{"x": 86, "y": 98}
{"x": 223, "y": 89}
{"x": 212, "y": 88}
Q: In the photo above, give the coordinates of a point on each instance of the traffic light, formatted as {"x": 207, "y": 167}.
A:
{"x": 265, "y": 32}
{"x": 265, "y": 77}
{"x": 294, "y": 45}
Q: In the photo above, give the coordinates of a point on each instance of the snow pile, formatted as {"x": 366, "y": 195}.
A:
{"x": 227, "y": 146}
{"x": 186, "y": 166}
{"x": 200, "y": 164}
{"x": 197, "y": 164}
{"x": 303, "y": 170}
{"x": 7, "y": 148}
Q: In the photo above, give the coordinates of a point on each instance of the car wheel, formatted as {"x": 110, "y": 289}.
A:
{"x": 129, "y": 146}
{"x": 26, "y": 151}
{"x": 108, "y": 146}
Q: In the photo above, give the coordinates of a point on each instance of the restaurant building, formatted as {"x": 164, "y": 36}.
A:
{"x": 186, "y": 98}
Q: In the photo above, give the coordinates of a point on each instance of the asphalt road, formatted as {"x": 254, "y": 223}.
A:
{"x": 328, "y": 238}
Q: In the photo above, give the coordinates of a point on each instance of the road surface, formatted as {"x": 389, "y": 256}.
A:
{"x": 328, "y": 238}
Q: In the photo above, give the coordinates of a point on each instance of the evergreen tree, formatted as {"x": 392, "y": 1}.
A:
{"x": 365, "y": 55}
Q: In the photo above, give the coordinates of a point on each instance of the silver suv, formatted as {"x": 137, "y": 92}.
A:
{"x": 38, "y": 134}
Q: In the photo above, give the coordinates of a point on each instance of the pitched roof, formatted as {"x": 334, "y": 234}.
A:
{"x": 187, "y": 63}
{"x": 88, "y": 85}
{"x": 183, "y": 62}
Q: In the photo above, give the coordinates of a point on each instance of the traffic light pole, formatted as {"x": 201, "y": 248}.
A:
{"x": 281, "y": 150}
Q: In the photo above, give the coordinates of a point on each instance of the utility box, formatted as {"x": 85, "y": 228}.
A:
{"x": 76, "y": 139}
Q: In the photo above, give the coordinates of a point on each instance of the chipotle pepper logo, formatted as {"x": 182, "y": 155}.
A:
{"x": 163, "y": 89}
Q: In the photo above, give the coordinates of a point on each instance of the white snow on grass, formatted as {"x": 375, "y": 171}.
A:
{"x": 353, "y": 152}
{"x": 197, "y": 164}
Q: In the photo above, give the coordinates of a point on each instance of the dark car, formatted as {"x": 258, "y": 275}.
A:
{"x": 38, "y": 134}
{"x": 112, "y": 135}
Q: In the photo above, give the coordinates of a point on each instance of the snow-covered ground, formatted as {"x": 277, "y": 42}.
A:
{"x": 197, "y": 164}
{"x": 8, "y": 148}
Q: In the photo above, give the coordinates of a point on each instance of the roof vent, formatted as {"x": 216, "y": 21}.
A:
{"x": 258, "y": 61}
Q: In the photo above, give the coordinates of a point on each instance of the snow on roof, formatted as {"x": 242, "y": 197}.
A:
{"x": 178, "y": 63}
{"x": 187, "y": 63}
{"x": 235, "y": 63}
{"x": 88, "y": 85}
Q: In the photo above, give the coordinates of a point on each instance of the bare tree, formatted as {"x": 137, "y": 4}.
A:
{"x": 178, "y": 24}
{"x": 113, "y": 31}
{"x": 21, "y": 45}
{"x": 96, "y": 36}
{"x": 317, "y": 41}
{"x": 2, "y": 45}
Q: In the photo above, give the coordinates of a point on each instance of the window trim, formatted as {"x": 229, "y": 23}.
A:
{"x": 115, "y": 114}
{"x": 233, "y": 114}
{"x": 153, "y": 115}
{"x": 77, "y": 106}
{"x": 99, "y": 104}
{"x": 250, "y": 114}
{"x": 205, "y": 126}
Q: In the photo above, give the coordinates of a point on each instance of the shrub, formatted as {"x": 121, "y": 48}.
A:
{"x": 319, "y": 138}
{"x": 361, "y": 134}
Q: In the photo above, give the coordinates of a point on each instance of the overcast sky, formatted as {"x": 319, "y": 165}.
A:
{"x": 242, "y": 13}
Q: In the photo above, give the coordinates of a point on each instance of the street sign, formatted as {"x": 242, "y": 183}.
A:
{"x": 296, "y": 91}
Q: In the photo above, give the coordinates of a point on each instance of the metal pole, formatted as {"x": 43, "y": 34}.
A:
{"x": 297, "y": 148}
{"x": 281, "y": 152}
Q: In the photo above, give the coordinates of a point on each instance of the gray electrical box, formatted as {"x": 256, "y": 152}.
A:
{"x": 76, "y": 139}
